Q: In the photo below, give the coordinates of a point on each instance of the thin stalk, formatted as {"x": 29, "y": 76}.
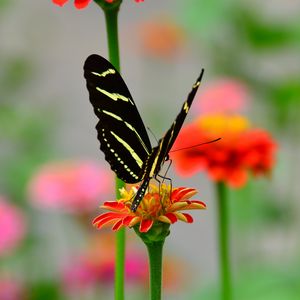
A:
{"x": 155, "y": 250}
{"x": 225, "y": 274}
{"x": 111, "y": 18}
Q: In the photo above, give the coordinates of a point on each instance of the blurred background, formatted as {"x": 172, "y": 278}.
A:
{"x": 53, "y": 176}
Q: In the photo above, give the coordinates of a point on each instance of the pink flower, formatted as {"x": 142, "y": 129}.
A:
{"x": 72, "y": 186}
{"x": 10, "y": 290}
{"x": 223, "y": 96}
{"x": 12, "y": 226}
{"x": 79, "y": 275}
{"x": 84, "y": 273}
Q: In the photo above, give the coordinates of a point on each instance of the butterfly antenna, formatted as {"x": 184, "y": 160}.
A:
{"x": 197, "y": 145}
{"x": 152, "y": 134}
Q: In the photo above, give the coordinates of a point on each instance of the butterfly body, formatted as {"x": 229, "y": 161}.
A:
{"x": 121, "y": 131}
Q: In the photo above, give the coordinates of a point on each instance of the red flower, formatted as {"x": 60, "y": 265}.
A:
{"x": 240, "y": 150}
{"x": 156, "y": 206}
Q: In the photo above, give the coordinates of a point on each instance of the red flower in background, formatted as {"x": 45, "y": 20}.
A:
{"x": 241, "y": 149}
{"x": 157, "y": 205}
{"x": 79, "y": 4}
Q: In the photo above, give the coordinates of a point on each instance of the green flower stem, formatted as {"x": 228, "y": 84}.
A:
{"x": 225, "y": 276}
{"x": 155, "y": 250}
{"x": 111, "y": 18}
{"x": 154, "y": 240}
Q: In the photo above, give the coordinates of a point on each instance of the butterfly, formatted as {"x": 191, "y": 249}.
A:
{"x": 121, "y": 132}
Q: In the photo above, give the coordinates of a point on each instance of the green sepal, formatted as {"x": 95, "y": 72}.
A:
{"x": 158, "y": 233}
{"x": 109, "y": 6}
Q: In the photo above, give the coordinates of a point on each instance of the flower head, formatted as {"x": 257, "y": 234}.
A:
{"x": 12, "y": 226}
{"x": 223, "y": 96}
{"x": 72, "y": 186}
{"x": 241, "y": 149}
{"x": 158, "y": 205}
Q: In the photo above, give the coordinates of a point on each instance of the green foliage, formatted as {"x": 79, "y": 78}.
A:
{"x": 262, "y": 34}
{"x": 254, "y": 206}
{"x": 25, "y": 144}
{"x": 14, "y": 74}
{"x": 285, "y": 96}
{"x": 204, "y": 18}
{"x": 4, "y": 4}
{"x": 236, "y": 34}
{"x": 45, "y": 291}
{"x": 261, "y": 283}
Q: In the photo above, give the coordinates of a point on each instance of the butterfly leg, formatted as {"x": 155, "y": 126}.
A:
{"x": 164, "y": 177}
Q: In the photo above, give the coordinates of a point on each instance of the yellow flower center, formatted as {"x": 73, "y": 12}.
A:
{"x": 154, "y": 202}
{"x": 220, "y": 124}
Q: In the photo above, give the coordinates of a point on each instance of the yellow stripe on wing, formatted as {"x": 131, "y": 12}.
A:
{"x": 127, "y": 146}
{"x": 103, "y": 74}
{"x": 114, "y": 96}
{"x": 128, "y": 125}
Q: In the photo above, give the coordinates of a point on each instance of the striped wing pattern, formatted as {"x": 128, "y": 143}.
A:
{"x": 121, "y": 131}
{"x": 160, "y": 153}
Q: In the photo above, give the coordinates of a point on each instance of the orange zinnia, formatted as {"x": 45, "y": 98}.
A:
{"x": 240, "y": 150}
{"x": 158, "y": 205}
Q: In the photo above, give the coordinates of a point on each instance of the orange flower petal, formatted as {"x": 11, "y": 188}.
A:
{"x": 79, "y": 4}
{"x": 117, "y": 225}
{"x": 134, "y": 221}
{"x": 172, "y": 217}
{"x": 177, "y": 206}
{"x": 195, "y": 205}
{"x": 164, "y": 219}
{"x": 145, "y": 225}
{"x": 115, "y": 206}
{"x": 127, "y": 220}
{"x": 60, "y": 2}
{"x": 106, "y": 218}
{"x": 184, "y": 217}
{"x": 181, "y": 194}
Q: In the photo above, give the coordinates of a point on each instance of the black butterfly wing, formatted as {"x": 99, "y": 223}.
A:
{"x": 160, "y": 153}
{"x": 121, "y": 131}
